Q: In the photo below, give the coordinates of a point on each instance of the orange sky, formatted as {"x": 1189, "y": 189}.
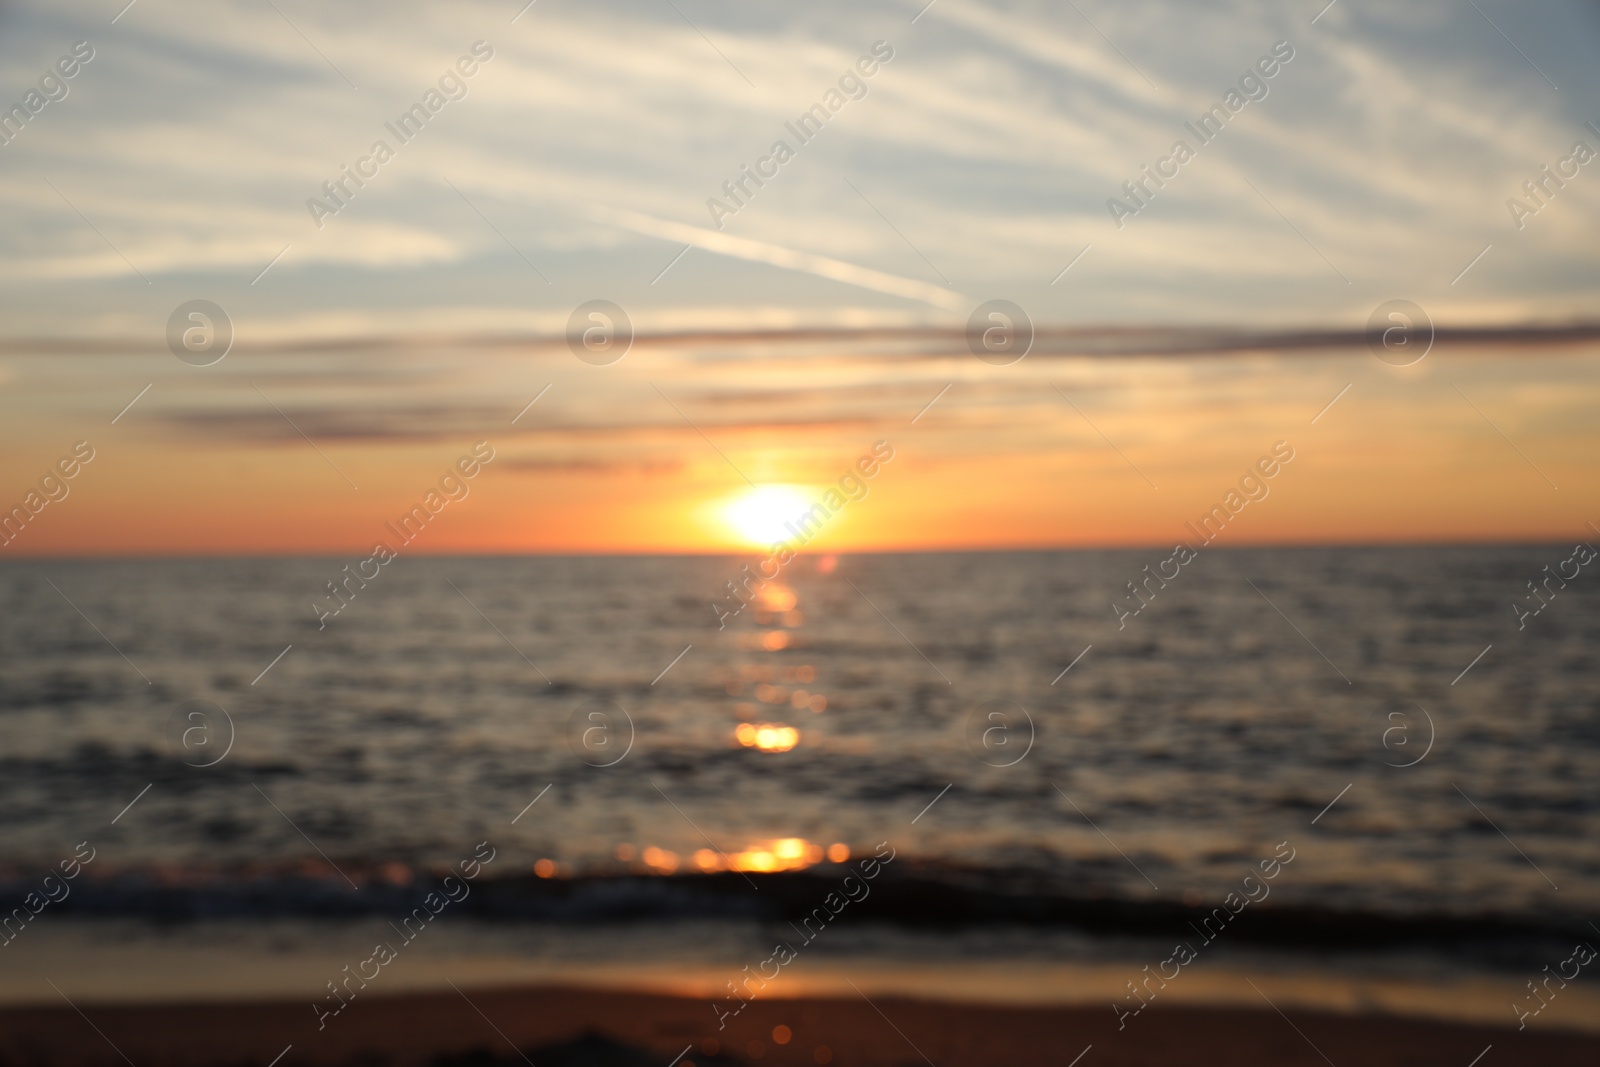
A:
{"x": 603, "y": 463}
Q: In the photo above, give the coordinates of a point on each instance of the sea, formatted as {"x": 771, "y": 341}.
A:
{"x": 1355, "y": 778}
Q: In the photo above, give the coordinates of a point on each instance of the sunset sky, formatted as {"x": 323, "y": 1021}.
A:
{"x": 576, "y": 163}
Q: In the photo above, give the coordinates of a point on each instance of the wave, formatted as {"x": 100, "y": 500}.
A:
{"x": 916, "y": 897}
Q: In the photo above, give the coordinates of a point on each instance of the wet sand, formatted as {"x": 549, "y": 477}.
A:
{"x": 533, "y": 1025}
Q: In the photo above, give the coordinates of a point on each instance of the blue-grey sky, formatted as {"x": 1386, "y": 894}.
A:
{"x": 978, "y": 164}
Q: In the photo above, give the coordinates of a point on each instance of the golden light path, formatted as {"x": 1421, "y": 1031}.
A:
{"x": 777, "y": 854}
{"x": 768, "y": 737}
{"x": 758, "y": 516}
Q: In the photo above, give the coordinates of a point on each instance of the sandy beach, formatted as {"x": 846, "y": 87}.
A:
{"x": 547, "y": 1026}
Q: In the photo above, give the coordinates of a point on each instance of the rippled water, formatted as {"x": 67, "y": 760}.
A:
{"x": 1176, "y": 752}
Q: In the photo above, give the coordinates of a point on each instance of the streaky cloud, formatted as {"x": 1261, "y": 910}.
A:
{"x": 763, "y": 252}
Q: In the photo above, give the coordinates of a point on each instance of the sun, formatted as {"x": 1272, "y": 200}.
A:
{"x": 758, "y": 516}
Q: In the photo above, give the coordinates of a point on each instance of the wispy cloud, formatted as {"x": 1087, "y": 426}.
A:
{"x": 999, "y": 130}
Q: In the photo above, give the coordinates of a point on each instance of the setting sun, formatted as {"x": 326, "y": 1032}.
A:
{"x": 758, "y": 516}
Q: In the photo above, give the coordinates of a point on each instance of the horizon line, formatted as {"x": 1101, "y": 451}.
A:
{"x": 1140, "y": 546}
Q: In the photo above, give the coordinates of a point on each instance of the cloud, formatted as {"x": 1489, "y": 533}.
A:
{"x": 399, "y": 425}
{"x": 762, "y": 252}
{"x": 992, "y": 141}
{"x": 593, "y": 466}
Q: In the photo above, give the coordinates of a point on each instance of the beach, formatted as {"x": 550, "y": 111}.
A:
{"x": 510, "y": 1024}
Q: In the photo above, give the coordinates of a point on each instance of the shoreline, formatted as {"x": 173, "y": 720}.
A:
{"x": 230, "y": 964}
{"x": 508, "y": 1024}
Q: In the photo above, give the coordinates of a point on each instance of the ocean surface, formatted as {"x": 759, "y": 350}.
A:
{"x": 661, "y": 794}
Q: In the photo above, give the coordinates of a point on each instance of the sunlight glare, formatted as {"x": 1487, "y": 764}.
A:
{"x": 758, "y": 515}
